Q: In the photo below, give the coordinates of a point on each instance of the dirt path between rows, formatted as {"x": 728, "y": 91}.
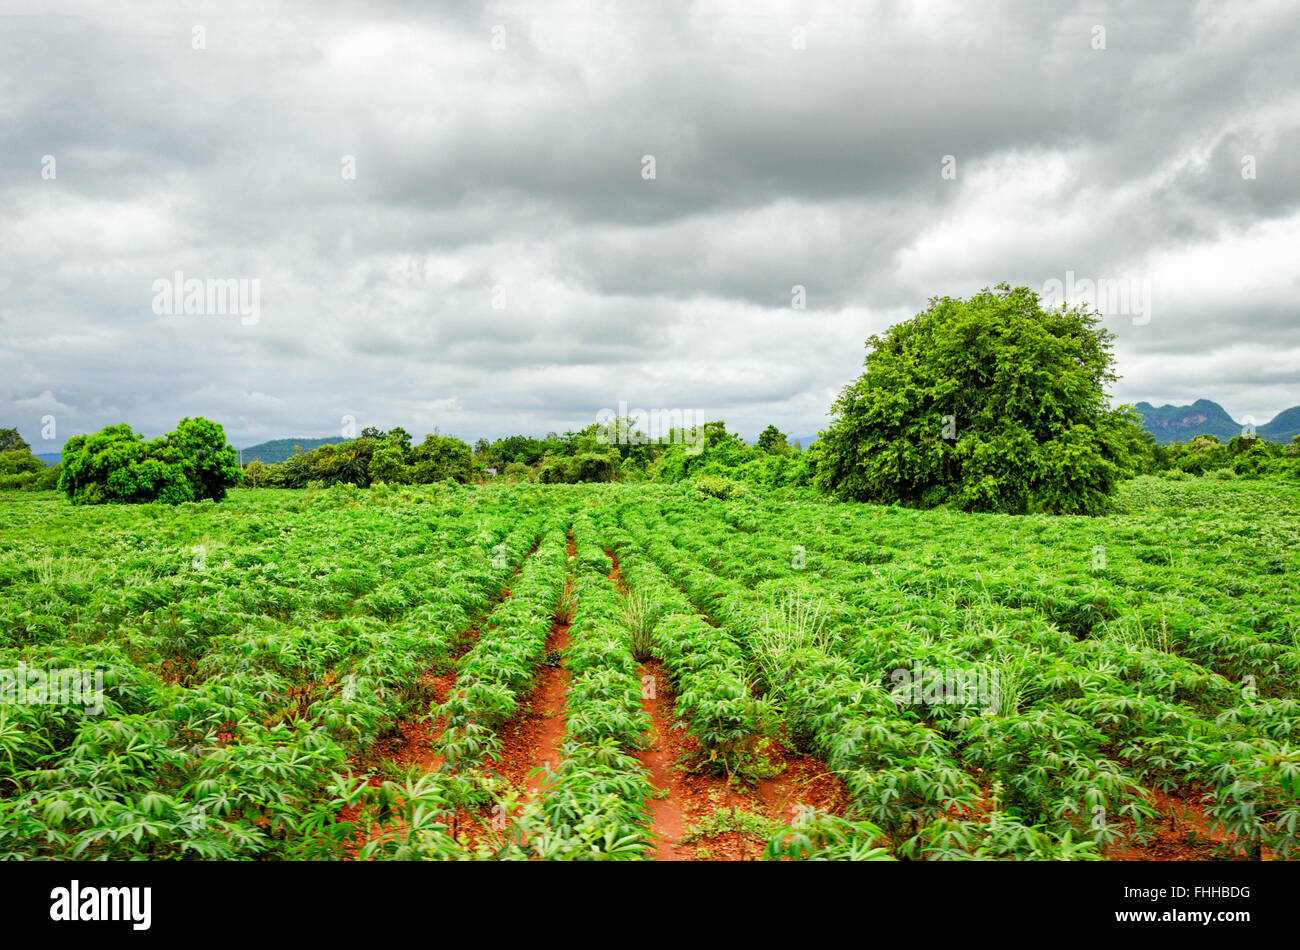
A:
{"x": 415, "y": 738}
{"x": 695, "y": 797}
{"x": 667, "y": 814}
{"x": 690, "y": 798}
{"x": 1183, "y": 833}
{"x": 667, "y": 811}
{"x": 414, "y": 741}
{"x": 532, "y": 739}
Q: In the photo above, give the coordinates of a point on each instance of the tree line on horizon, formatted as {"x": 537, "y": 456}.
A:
{"x": 990, "y": 403}
{"x": 392, "y": 458}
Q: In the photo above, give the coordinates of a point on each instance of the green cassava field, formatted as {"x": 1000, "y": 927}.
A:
{"x": 975, "y": 685}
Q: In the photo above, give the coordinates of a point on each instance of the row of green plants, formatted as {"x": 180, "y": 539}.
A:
{"x": 1113, "y": 695}
{"x": 902, "y": 773}
{"x": 497, "y": 672}
{"x": 593, "y": 806}
{"x": 251, "y": 650}
{"x": 704, "y": 663}
{"x": 860, "y": 734}
{"x": 238, "y": 684}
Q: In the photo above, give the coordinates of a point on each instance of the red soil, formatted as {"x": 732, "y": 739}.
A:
{"x": 616, "y": 572}
{"x": 1181, "y": 818}
{"x": 804, "y": 781}
{"x": 689, "y": 797}
{"x": 532, "y": 739}
{"x": 411, "y": 745}
{"x": 667, "y": 814}
{"x": 693, "y": 796}
{"x": 413, "y": 741}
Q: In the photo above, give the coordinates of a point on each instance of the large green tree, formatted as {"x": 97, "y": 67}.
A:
{"x": 388, "y": 464}
{"x": 117, "y": 465}
{"x": 12, "y": 441}
{"x": 987, "y": 404}
{"x": 210, "y": 464}
{"x": 89, "y": 460}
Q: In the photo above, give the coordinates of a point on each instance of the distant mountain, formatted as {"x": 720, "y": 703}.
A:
{"x": 1203, "y": 417}
{"x": 277, "y": 450}
{"x": 50, "y": 459}
{"x": 1284, "y": 427}
{"x": 1180, "y": 423}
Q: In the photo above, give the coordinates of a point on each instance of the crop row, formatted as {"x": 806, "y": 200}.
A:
{"x": 496, "y": 673}
{"x": 595, "y": 806}
{"x": 705, "y": 664}
{"x": 1097, "y": 697}
{"x": 902, "y": 774}
{"x": 221, "y": 724}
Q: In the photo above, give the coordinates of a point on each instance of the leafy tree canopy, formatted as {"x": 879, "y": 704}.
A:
{"x": 117, "y": 465}
{"x": 19, "y": 468}
{"x": 11, "y": 441}
{"x": 772, "y": 441}
{"x": 986, "y": 404}
{"x": 441, "y": 457}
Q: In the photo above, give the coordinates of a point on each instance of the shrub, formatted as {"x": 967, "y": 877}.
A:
{"x": 715, "y": 486}
{"x": 516, "y": 472}
{"x": 117, "y": 465}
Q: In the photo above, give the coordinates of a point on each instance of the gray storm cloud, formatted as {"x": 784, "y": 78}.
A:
{"x": 449, "y": 220}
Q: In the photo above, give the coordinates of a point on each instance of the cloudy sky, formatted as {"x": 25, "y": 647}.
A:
{"x": 506, "y": 220}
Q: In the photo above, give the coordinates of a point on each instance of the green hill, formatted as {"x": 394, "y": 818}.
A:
{"x": 277, "y": 450}
{"x": 1284, "y": 427}
{"x": 1203, "y": 417}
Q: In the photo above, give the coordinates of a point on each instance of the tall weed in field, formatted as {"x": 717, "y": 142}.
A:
{"x": 1012, "y": 683}
{"x": 62, "y": 570}
{"x": 564, "y": 604}
{"x": 1134, "y": 634}
{"x": 640, "y": 614}
{"x": 789, "y": 625}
